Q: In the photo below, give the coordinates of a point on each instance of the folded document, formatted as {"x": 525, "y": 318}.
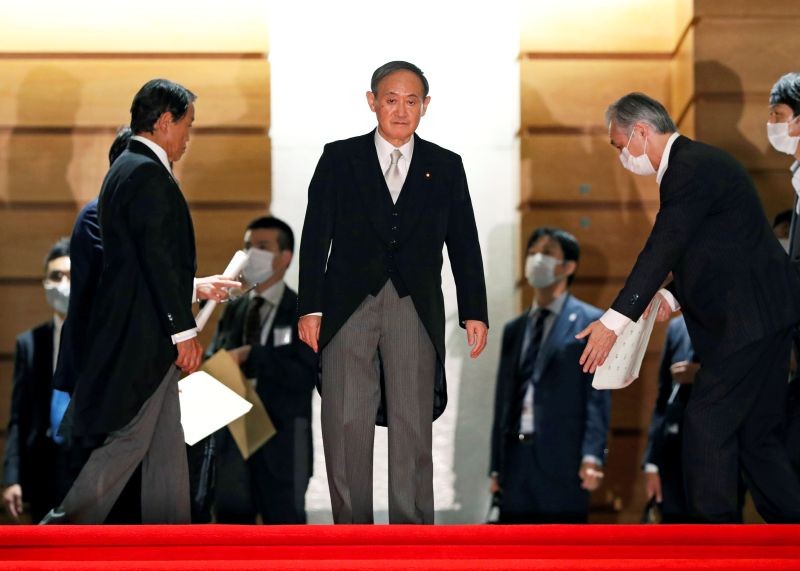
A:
{"x": 622, "y": 366}
{"x": 207, "y": 405}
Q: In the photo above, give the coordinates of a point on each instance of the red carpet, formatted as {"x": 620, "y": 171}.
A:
{"x": 557, "y": 547}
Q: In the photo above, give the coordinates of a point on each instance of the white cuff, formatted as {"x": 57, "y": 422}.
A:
{"x": 673, "y": 303}
{"x": 184, "y": 335}
{"x": 615, "y": 321}
{"x": 194, "y": 291}
{"x": 592, "y": 459}
{"x": 650, "y": 468}
{"x": 317, "y": 313}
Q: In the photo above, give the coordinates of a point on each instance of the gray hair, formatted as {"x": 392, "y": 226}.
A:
{"x": 393, "y": 66}
{"x": 639, "y": 108}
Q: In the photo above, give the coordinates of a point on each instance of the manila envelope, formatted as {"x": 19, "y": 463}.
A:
{"x": 252, "y": 430}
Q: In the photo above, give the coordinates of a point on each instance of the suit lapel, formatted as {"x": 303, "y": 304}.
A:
{"x": 372, "y": 185}
{"x": 561, "y": 329}
{"x": 417, "y": 187}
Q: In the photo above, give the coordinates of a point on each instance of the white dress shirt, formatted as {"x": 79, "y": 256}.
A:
{"x": 384, "y": 149}
{"x": 614, "y": 320}
{"x": 58, "y": 324}
{"x": 162, "y": 156}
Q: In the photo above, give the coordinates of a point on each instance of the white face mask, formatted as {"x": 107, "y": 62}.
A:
{"x": 637, "y": 165}
{"x": 57, "y": 294}
{"x": 540, "y": 270}
{"x": 259, "y": 266}
{"x": 779, "y": 138}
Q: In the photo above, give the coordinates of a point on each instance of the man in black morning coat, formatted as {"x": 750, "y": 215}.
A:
{"x": 142, "y": 331}
{"x": 385, "y": 204}
{"x": 740, "y": 298}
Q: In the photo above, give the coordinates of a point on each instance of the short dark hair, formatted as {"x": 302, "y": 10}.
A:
{"x": 787, "y": 91}
{"x": 155, "y": 98}
{"x": 639, "y": 108}
{"x": 393, "y": 66}
{"x": 59, "y": 250}
{"x": 784, "y": 217}
{"x": 120, "y": 143}
{"x": 285, "y": 234}
{"x": 568, "y": 242}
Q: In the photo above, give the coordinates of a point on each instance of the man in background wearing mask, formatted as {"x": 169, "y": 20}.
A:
{"x": 550, "y": 425}
{"x": 783, "y": 132}
{"x": 712, "y": 247}
{"x": 36, "y": 462}
{"x": 260, "y": 331}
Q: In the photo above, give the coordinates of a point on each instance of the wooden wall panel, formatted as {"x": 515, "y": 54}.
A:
{"x": 780, "y": 9}
{"x": 6, "y": 382}
{"x": 734, "y": 54}
{"x": 682, "y": 79}
{"x": 738, "y": 124}
{"x": 610, "y": 239}
{"x": 98, "y": 92}
{"x": 69, "y": 168}
{"x": 570, "y": 167}
{"x": 577, "y": 92}
{"x": 218, "y": 232}
{"x": 576, "y": 26}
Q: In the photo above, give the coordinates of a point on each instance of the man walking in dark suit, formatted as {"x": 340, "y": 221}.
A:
{"x": 550, "y": 425}
{"x": 36, "y": 463}
{"x": 260, "y": 331}
{"x": 380, "y": 209}
{"x": 141, "y": 326}
{"x": 740, "y": 298}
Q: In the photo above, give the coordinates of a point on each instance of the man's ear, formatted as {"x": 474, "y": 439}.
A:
{"x": 425, "y": 103}
{"x": 163, "y": 121}
{"x": 286, "y": 257}
{"x": 371, "y": 100}
{"x": 570, "y": 267}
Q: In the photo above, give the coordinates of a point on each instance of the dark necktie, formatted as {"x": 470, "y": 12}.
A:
{"x": 252, "y": 321}
{"x": 528, "y": 362}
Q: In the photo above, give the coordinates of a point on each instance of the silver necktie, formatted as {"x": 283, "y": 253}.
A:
{"x": 394, "y": 180}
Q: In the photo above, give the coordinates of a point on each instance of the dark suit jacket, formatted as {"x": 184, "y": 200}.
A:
{"x": 86, "y": 253}
{"x": 144, "y": 294}
{"x": 286, "y": 377}
{"x": 731, "y": 276}
{"x": 570, "y": 417}
{"x": 372, "y": 240}
{"x": 30, "y": 450}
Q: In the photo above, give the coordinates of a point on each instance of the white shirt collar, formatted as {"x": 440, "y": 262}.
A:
{"x": 555, "y": 307}
{"x": 662, "y": 167}
{"x": 385, "y": 148}
{"x": 274, "y": 293}
{"x": 157, "y": 149}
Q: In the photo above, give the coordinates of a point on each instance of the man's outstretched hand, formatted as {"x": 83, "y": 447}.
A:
{"x": 601, "y": 340}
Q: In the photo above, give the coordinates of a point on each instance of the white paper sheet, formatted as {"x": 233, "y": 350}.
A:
{"x": 207, "y": 405}
{"x": 622, "y": 366}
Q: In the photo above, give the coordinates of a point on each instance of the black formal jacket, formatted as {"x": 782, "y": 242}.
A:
{"x": 731, "y": 276}
{"x": 570, "y": 417}
{"x": 144, "y": 295}
{"x": 285, "y": 379}
{"x": 86, "y": 254}
{"x": 30, "y": 450}
{"x": 372, "y": 240}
